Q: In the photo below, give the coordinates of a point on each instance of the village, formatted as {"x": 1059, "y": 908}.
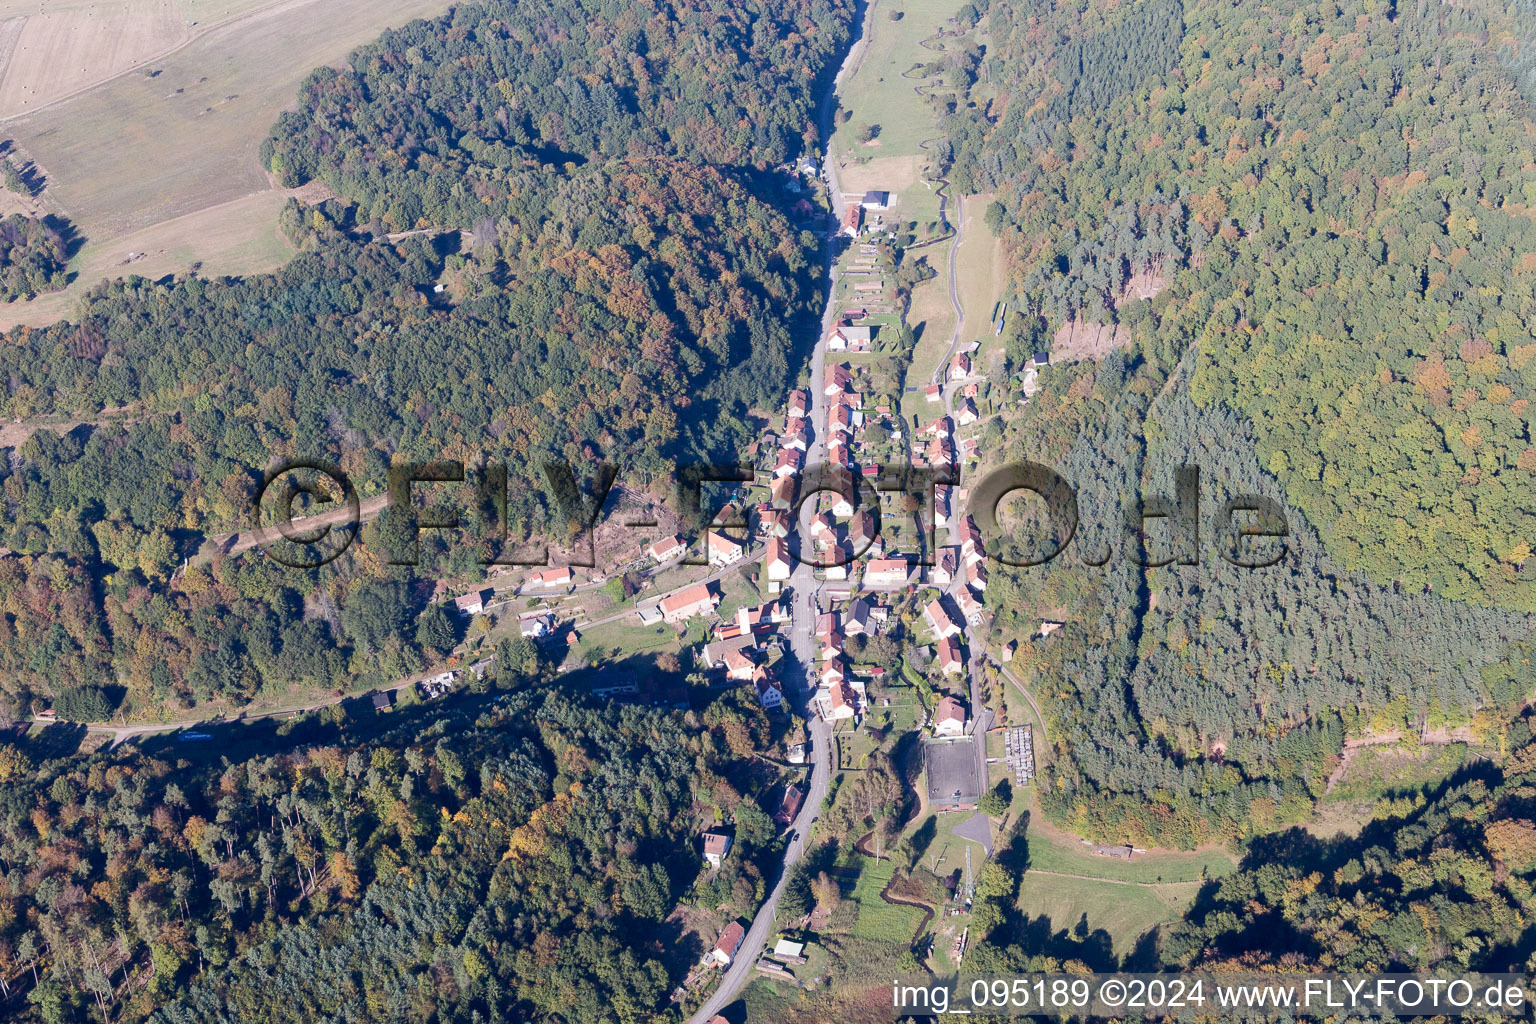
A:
{"x": 848, "y": 607}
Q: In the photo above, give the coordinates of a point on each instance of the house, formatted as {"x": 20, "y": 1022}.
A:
{"x": 857, "y": 336}
{"x": 875, "y": 200}
{"x": 776, "y": 565}
{"x": 715, "y": 651}
{"x": 969, "y": 606}
{"x": 862, "y": 529}
{"x": 844, "y": 507}
{"x": 831, "y": 673}
{"x": 782, "y": 490}
{"x": 852, "y": 221}
{"x": 383, "y": 700}
{"x": 549, "y": 579}
{"x": 1006, "y": 654}
{"x": 939, "y": 428}
{"x": 794, "y": 796}
{"x": 840, "y": 702}
{"x": 949, "y": 657}
{"x": 941, "y": 502}
{"x": 939, "y": 619}
{"x": 832, "y": 648}
{"x": 790, "y": 461}
{"x": 723, "y": 550}
{"x": 949, "y": 718}
{"x": 730, "y": 941}
{"x": 976, "y": 576}
{"x": 773, "y": 522}
{"x": 795, "y": 435}
{"x": 931, "y": 393}
{"x": 821, "y": 529}
{"x": 473, "y": 603}
{"x": 615, "y": 684}
{"x": 759, "y": 619}
{"x": 799, "y": 404}
{"x": 856, "y": 622}
{"x": 716, "y": 846}
{"x": 886, "y": 572}
{"x": 770, "y": 693}
{"x": 826, "y": 625}
{"x": 1041, "y": 358}
{"x": 960, "y": 368}
{"x": 838, "y": 379}
{"x": 539, "y": 624}
{"x": 667, "y": 548}
{"x": 946, "y": 566}
{"x": 685, "y": 604}
{"x": 967, "y": 413}
{"x": 795, "y": 754}
{"x": 738, "y": 666}
{"x": 1048, "y": 627}
{"x": 838, "y": 558}
{"x": 840, "y": 419}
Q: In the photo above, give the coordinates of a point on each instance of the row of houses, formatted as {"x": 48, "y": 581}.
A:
{"x": 840, "y": 694}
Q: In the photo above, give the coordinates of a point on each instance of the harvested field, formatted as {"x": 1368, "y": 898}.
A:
{"x": 165, "y": 165}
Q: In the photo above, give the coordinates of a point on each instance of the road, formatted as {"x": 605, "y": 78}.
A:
{"x": 799, "y": 665}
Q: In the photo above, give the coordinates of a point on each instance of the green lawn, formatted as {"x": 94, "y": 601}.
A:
{"x": 1126, "y": 912}
{"x": 946, "y": 853}
{"x": 878, "y": 95}
{"x": 629, "y": 636}
{"x": 878, "y": 919}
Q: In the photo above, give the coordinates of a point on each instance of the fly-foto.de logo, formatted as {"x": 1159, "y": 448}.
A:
{"x": 1248, "y": 531}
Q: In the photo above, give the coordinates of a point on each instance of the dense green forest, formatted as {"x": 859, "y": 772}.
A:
{"x": 633, "y": 311}
{"x": 507, "y": 859}
{"x": 430, "y": 124}
{"x": 1209, "y": 702}
{"x": 1332, "y": 204}
{"x": 1311, "y": 223}
{"x": 33, "y": 254}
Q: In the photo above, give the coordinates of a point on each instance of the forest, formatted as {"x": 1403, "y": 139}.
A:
{"x": 573, "y": 344}
{"x": 1329, "y": 206}
{"x": 33, "y": 255}
{"x": 514, "y": 857}
{"x": 1307, "y": 224}
{"x": 431, "y": 123}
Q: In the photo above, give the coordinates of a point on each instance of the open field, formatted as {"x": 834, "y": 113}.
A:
{"x": 945, "y": 855}
{"x": 914, "y": 199}
{"x": 932, "y": 312}
{"x": 1066, "y": 882}
{"x": 878, "y": 94}
{"x": 50, "y": 49}
{"x": 1124, "y": 911}
{"x": 235, "y": 238}
{"x": 137, "y": 152}
{"x": 980, "y": 277}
